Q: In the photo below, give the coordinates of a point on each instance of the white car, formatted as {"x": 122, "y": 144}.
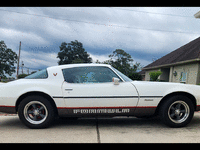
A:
{"x": 89, "y": 90}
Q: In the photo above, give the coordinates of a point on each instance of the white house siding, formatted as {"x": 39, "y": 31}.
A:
{"x": 190, "y": 69}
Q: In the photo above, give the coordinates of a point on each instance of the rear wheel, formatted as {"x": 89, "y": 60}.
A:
{"x": 36, "y": 112}
{"x": 177, "y": 111}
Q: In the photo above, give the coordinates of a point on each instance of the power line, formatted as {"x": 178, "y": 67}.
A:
{"x": 38, "y": 15}
{"x": 172, "y": 15}
{"x": 110, "y": 25}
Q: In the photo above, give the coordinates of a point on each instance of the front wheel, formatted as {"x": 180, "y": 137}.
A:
{"x": 36, "y": 112}
{"x": 177, "y": 111}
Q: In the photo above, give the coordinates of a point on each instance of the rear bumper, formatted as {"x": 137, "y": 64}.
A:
{"x": 8, "y": 109}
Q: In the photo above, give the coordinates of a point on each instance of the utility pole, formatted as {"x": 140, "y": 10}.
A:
{"x": 28, "y": 71}
{"x": 22, "y": 66}
{"x": 18, "y": 59}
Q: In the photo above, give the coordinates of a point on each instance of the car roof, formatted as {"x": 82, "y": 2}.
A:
{"x": 77, "y": 65}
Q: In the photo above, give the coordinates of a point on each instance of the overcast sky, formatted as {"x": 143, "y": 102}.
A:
{"x": 145, "y": 33}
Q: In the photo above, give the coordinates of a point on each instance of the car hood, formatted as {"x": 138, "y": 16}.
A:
{"x": 148, "y": 88}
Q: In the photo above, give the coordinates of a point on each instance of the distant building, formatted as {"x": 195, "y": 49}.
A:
{"x": 181, "y": 65}
{"x": 142, "y": 73}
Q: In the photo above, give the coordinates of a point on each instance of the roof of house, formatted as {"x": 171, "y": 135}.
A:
{"x": 186, "y": 52}
{"x": 142, "y": 72}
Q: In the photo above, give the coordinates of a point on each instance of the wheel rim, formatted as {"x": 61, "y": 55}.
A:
{"x": 35, "y": 112}
{"x": 178, "y": 111}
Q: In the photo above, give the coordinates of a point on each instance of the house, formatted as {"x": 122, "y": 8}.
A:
{"x": 142, "y": 73}
{"x": 181, "y": 65}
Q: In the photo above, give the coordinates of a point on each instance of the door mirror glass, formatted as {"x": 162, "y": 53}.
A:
{"x": 115, "y": 80}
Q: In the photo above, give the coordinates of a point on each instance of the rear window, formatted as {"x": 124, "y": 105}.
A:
{"x": 38, "y": 75}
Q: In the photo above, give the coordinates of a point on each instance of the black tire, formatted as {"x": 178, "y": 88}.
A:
{"x": 36, "y": 112}
{"x": 177, "y": 111}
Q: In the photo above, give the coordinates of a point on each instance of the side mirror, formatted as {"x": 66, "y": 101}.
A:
{"x": 115, "y": 80}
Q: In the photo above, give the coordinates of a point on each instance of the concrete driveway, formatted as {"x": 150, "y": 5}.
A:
{"x": 101, "y": 130}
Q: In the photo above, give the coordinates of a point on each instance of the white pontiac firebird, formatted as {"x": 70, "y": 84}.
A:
{"x": 89, "y": 90}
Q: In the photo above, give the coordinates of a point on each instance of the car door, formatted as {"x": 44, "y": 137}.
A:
{"x": 90, "y": 90}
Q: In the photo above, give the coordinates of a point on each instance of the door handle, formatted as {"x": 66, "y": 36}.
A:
{"x": 68, "y": 89}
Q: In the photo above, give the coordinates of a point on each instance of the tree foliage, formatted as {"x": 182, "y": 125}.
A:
{"x": 135, "y": 76}
{"x": 20, "y": 76}
{"x": 123, "y": 62}
{"x": 7, "y": 60}
{"x": 73, "y": 53}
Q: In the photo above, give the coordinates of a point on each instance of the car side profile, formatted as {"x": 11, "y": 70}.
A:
{"x": 90, "y": 90}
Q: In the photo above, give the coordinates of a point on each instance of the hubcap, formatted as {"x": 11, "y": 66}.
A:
{"x": 178, "y": 111}
{"x": 35, "y": 112}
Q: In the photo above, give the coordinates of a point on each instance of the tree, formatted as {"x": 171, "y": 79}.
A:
{"x": 123, "y": 62}
{"x": 120, "y": 60}
{"x": 73, "y": 53}
{"x": 20, "y": 76}
{"x": 77, "y": 61}
{"x": 7, "y": 60}
{"x": 136, "y": 66}
{"x": 33, "y": 72}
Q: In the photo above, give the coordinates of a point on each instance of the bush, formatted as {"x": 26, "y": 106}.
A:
{"x": 22, "y": 76}
{"x": 154, "y": 75}
{"x": 135, "y": 76}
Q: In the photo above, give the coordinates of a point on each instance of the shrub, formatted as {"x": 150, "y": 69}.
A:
{"x": 135, "y": 76}
{"x": 22, "y": 76}
{"x": 154, "y": 75}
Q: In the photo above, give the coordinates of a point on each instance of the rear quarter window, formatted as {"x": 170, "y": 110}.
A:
{"x": 38, "y": 75}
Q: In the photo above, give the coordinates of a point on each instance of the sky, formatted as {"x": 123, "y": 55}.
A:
{"x": 146, "y": 33}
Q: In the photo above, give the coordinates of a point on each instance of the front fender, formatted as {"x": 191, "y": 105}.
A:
{"x": 193, "y": 90}
{"x": 162, "y": 89}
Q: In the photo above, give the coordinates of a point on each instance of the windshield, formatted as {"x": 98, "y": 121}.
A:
{"x": 124, "y": 77}
{"x": 38, "y": 75}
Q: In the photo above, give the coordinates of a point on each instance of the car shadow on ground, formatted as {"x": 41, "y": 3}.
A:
{"x": 10, "y": 122}
{"x": 155, "y": 122}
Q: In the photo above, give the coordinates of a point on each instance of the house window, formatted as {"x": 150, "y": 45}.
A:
{"x": 183, "y": 77}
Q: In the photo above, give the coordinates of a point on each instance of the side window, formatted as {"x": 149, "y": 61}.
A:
{"x": 88, "y": 75}
{"x": 38, "y": 75}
